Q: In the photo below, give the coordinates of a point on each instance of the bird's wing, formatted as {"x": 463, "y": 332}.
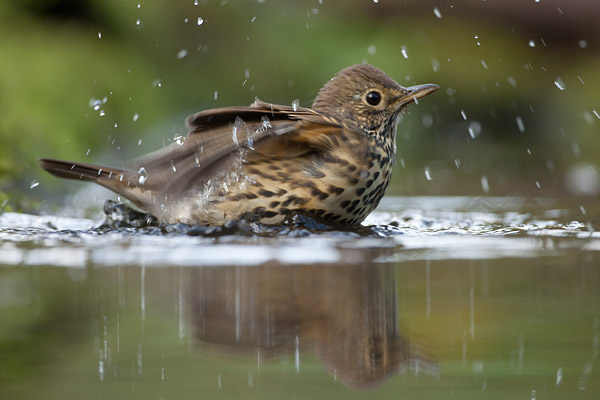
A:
{"x": 216, "y": 136}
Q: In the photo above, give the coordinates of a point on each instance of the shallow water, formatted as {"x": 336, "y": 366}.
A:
{"x": 441, "y": 298}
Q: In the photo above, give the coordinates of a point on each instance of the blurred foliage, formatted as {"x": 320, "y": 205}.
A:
{"x": 159, "y": 61}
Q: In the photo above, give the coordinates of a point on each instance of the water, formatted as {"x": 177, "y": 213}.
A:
{"x": 443, "y": 297}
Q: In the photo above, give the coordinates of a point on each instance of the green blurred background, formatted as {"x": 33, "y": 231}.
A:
{"x": 103, "y": 81}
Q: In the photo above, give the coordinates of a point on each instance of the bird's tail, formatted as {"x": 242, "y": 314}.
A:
{"x": 120, "y": 181}
{"x": 82, "y": 171}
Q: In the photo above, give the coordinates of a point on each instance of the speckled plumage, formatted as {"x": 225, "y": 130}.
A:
{"x": 265, "y": 161}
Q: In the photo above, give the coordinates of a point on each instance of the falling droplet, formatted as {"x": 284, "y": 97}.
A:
{"x": 437, "y": 12}
{"x": 102, "y": 113}
{"x": 435, "y": 64}
{"x": 139, "y": 23}
{"x": 474, "y": 129}
{"x": 403, "y": 51}
{"x": 295, "y": 104}
{"x": 484, "y": 64}
{"x": 596, "y": 113}
{"x": 179, "y": 140}
{"x": 34, "y": 184}
{"x": 182, "y": 53}
{"x": 173, "y": 166}
{"x": 372, "y": 50}
{"x": 195, "y": 2}
{"x": 99, "y": 35}
{"x": 512, "y": 81}
{"x": 558, "y": 376}
{"x": 560, "y": 84}
{"x": 428, "y": 174}
{"x": 531, "y": 43}
{"x": 484, "y": 184}
{"x": 216, "y": 94}
{"x": 142, "y": 175}
{"x": 463, "y": 114}
{"x": 200, "y": 21}
{"x": 136, "y": 117}
{"x": 520, "y": 124}
{"x": 583, "y": 43}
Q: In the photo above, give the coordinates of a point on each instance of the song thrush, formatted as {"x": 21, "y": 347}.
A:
{"x": 265, "y": 161}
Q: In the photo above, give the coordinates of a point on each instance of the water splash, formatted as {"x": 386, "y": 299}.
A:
{"x": 142, "y": 175}
{"x": 560, "y": 84}
{"x": 404, "y": 52}
{"x": 295, "y": 105}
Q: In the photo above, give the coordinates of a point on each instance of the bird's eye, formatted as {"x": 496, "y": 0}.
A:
{"x": 373, "y": 98}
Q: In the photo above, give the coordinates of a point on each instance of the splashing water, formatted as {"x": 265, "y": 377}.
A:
{"x": 142, "y": 175}
{"x": 295, "y": 104}
{"x": 560, "y": 84}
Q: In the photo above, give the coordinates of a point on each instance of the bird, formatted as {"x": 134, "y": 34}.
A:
{"x": 265, "y": 162}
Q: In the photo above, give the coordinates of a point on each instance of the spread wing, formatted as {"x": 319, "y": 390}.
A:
{"x": 217, "y": 136}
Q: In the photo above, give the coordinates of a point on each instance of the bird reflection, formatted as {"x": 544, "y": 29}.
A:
{"x": 347, "y": 314}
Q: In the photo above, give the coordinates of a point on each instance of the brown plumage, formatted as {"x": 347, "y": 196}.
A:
{"x": 264, "y": 161}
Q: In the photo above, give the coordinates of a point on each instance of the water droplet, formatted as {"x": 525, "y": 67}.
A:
{"x": 139, "y": 5}
{"x": 463, "y": 114}
{"x": 484, "y": 184}
{"x": 102, "y": 113}
{"x": 139, "y": 23}
{"x": 295, "y": 104}
{"x": 237, "y": 125}
{"x": 428, "y": 174}
{"x": 403, "y": 51}
{"x": 136, "y": 117}
{"x": 200, "y": 21}
{"x": 179, "y": 140}
{"x": 435, "y": 64}
{"x": 512, "y": 81}
{"x": 474, "y": 129}
{"x": 182, "y": 53}
{"x": 87, "y": 153}
{"x": 375, "y": 1}
{"x": 560, "y": 84}
{"x": 371, "y": 50}
{"x": 531, "y": 43}
{"x": 34, "y": 184}
{"x": 100, "y": 35}
{"x": 596, "y": 113}
{"x": 520, "y": 124}
{"x": 216, "y": 94}
{"x": 583, "y": 43}
{"x": 173, "y": 167}
{"x": 558, "y": 376}
{"x": 484, "y": 64}
{"x": 157, "y": 83}
{"x": 140, "y": 142}
{"x": 142, "y": 175}
{"x": 437, "y": 12}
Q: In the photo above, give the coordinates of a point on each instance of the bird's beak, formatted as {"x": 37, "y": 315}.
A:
{"x": 414, "y": 93}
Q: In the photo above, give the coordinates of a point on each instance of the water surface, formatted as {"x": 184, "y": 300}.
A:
{"x": 442, "y": 298}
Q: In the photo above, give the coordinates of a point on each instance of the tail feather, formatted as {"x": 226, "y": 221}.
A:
{"x": 81, "y": 171}
{"x": 118, "y": 180}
